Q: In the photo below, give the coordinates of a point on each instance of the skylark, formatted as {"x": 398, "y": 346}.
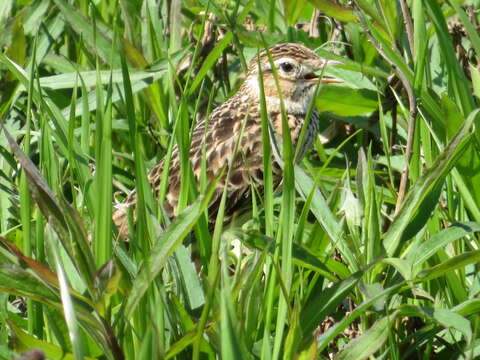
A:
{"x": 218, "y": 135}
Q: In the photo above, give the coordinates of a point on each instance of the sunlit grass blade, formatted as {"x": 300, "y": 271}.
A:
{"x": 103, "y": 183}
{"x": 144, "y": 197}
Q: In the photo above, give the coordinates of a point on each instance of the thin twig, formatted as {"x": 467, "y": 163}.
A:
{"x": 408, "y": 153}
{"x": 408, "y": 25}
{"x": 412, "y": 115}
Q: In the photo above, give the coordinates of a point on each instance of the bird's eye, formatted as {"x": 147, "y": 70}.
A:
{"x": 286, "y": 67}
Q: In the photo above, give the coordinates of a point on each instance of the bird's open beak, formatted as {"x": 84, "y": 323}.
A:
{"x": 324, "y": 79}
{"x": 330, "y": 80}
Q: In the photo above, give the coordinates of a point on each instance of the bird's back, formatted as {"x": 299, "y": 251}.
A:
{"x": 288, "y": 72}
{"x": 215, "y": 140}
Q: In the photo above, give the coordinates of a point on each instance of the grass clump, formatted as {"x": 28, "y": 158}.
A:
{"x": 369, "y": 251}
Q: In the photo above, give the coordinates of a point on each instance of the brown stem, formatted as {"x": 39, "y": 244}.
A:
{"x": 408, "y": 154}
{"x": 408, "y": 25}
{"x": 393, "y": 134}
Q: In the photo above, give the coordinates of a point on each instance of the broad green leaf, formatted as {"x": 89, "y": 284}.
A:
{"x": 189, "y": 278}
{"x": 181, "y": 344}
{"x": 18, "y": 48}
{"x": 309, "y": 353}
{"x": 322, "y": 212}
{"x": 38, "y": 268}
{"x": 369, "y": 342}
{"x": 451, "y": 319}
{"x": 106, "y": 282}
{"x": 15, "y": 280}
{"x": 301, "y": 256}
{"x": 372, "y": 291}
{"x": 467, "y": 308}
{"x": 24, "y": 342}
{"x": 352, "y": 74}
{"x": 345, "y": 101}
{"x": 293, "y": 9}
{"x": 404, "y": 267}
{"x": 469, "y": 164}
{"x": 335, "y": 10}
{"x": 445, "y": 317}
{"x": 320, "y": 209}
{"x": 68, "y": 80}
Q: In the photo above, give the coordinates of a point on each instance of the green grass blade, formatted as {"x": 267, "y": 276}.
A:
{"x": 423, "y": 196}
{"x": 440, "y": 240}
{"x": 368, "y": 343}
{"x": 162, "y": 250}
{"x": 453, "y": 263}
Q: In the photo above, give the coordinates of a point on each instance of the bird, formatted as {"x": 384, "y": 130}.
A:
{"x": 216, "y": 137}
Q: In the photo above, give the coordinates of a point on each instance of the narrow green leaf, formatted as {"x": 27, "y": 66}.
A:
{"x": 423, "y": 196}
{"x": 420, "y": 41}
{"x": 210, "y": 61}
{"x": 457, "y": 82}
{"x": 67, "y": 303}
{"x": 471, "y": 30}
{"x": 451, "y": 319}
{"x": 421, "y": 254}
{"x": 453, "y": 263}
{"x": 96, "y": 39}
{"x": 165, "y": 247}
{"x": 321, "y": 306}
{"x": 56, "y": 215}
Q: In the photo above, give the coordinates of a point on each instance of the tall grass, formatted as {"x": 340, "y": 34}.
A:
{"x": 368, "y": 250}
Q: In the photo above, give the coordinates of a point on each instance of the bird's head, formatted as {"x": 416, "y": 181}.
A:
{"x": 298, "y": 70}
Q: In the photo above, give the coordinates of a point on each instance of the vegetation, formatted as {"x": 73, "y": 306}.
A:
{"x": 370, "y": 250}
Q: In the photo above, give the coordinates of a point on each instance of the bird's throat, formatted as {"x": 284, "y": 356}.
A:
{"x": 296, "y": 100}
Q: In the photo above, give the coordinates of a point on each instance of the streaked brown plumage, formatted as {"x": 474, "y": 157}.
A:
{"x": 295, "y": 66}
